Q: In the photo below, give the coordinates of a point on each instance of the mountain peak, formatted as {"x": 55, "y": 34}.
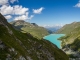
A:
{"x": 19, "y": 21}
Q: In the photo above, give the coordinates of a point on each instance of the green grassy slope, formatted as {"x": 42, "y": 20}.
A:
{"x": 68, "y": 28}
{"x": 31, "y": 28}
{"x": 72, "y": 37}
{"x": 15, "y": 45}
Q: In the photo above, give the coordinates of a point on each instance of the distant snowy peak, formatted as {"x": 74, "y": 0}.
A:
{"x": 53, "y": 28}
{"x": 50, "y": 26}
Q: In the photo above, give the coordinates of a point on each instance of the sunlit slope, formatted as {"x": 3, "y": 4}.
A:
{"x": 31, "y": 28}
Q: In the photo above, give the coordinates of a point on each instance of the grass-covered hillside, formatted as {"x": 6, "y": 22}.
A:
{"x": 72, "y": 37}
{"x": 31, "y": 28}
{"x": 68, "y": 28}
{"x": 15, "y": 45}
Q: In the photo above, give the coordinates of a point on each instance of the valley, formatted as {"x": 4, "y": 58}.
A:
{"x": 15, "y": 45}
{"x": 39, "y": 29}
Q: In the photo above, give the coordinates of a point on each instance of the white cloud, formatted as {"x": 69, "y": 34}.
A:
{"x": 24, "y": 17}
{"x": 31, "y": 17}
{"x": 15, "y": 10}
{"x": 8, "y": 17}
{"x": 38, "y": 11}
{"x": 6, "y": 10}
{"x": 19, "y": 10}
{"x": 12, "y": 1}
{"x": 78, "y": 4}
{"x": 3, "y": 2}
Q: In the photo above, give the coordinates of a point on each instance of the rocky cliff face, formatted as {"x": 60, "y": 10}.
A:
{"x": 15, "y": 45}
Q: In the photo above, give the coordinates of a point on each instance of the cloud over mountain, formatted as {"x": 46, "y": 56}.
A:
{"x": 8, "y": 17}
{"x": 6, "y": 9}
{"x": 18, "y": 11}
{"x": 22, "y": 17}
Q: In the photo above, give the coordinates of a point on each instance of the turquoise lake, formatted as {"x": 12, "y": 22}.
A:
{"x": 53, "y": 38}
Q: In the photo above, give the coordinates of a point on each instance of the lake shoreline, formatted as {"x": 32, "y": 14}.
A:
{"x": 54, "y": 39}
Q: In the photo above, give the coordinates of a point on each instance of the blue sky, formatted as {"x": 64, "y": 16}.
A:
{"x": 42, "y": 12}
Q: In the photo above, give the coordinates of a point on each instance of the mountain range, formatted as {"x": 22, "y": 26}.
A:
{"x": 15, "y": 45}
{"x": 53, "y": 28}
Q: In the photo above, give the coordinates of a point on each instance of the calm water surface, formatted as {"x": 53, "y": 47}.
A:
{"x": 54, "y": 39}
